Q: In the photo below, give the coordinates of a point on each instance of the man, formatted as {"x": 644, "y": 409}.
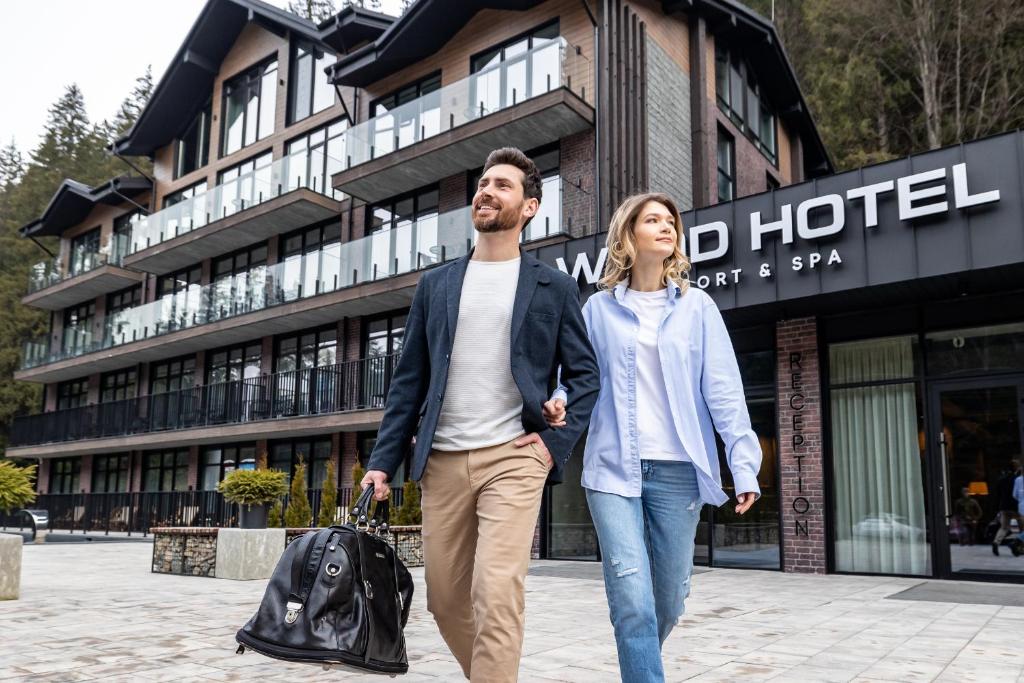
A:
{"x": 1007, "y": 505}
{"x": 482, "y": 341}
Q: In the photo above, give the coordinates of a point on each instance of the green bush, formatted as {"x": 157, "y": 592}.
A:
{"x": 298, "y": 514}
{"x": 16, "y": 485}
{"x": 253, "y": 487}
{"x": 274, "y": 520}
{"x": 409, "y": 513}
{"x": 328, "y": 497}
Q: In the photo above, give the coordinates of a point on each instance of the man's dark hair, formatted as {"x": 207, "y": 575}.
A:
{"x": 533, "y": 184}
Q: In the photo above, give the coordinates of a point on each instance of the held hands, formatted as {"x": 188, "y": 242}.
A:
{"x": 745, "y": 501}
{"x": 554, "y": 413}
{"x": 379, "y": 481}
{"x": 534, "y": 437}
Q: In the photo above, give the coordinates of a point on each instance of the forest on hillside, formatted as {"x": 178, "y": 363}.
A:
{"x": 883, "y": 78}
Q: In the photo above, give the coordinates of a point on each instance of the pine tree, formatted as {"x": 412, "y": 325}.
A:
{"x": 315, "y": 10}
{"x": 299, "y": 514}
{"x": 329, "y": 497}
{"x": 274, "y": 516}
{"x": 409, "y": 512}
{"x": 12, "y": 167}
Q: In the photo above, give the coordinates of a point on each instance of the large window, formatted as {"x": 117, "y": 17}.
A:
{"x": 120, "y": 241}
{"x": 192, "y": 149}
{"x": 165, "y": 470}
{"x": 315, "y": 157}
{"x": 391, "y": 224}
{"x": 879, "y": 503}
{"x": 72, "y": 394}
{"x": 118, "y": 385}
{"x": 110, "y": 473}
{"x": 172, "y": 375}
{"x": 78, "y": 323}
{"x": 245, "y": 184}
{"x": 308, "y": 380}
{"x": 516, "y": 70}
{"x": 741, "y": 97}
{"x": 219, "y": 460}
{"x": 286, "y": 455}
{"x": 310, "y": 90}
{"x": 179, "y": 294}
{"x": 239, "y": 280}
{"x": 726, "y": 166}
{"x": 192, "y": 214}
{"x": 249, "y": 105}
{"x": 751, "y": 540}
{"x": 382, "y": 340}
{"x": 85, "y": 249}
{"x": 64, "y": 475}
{"x": 312, "y": 261}
{"x": 397, "y": 123}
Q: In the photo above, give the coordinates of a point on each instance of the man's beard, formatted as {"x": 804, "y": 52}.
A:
{"x": 506, "y": 219}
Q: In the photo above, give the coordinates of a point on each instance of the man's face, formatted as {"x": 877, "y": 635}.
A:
{"x": 499, "y": 203}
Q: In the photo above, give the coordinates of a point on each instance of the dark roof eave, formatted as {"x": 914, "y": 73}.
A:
{"x": 111, "y": 192}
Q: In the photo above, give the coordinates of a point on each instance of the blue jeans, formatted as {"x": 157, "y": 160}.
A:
{"x": 647, "y": 553}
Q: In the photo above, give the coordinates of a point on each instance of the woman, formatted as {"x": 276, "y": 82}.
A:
{"x": 668, "y": 372}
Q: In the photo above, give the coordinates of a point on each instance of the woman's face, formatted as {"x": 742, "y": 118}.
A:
{"x": 655, "y": 231}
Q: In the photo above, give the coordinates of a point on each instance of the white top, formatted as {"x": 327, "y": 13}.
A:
{"x": 482, "y": 404}
{"x": 1018, "y": 493}
{"x": 657, "y": 432}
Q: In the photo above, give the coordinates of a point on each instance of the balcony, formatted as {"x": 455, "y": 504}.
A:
{"x": 247, "y": 408}
{"x": 370, "y": 275}
{"x": 89, "y": 275}
{"x": 535, "y": 98}
{"x": 268, "y": 201}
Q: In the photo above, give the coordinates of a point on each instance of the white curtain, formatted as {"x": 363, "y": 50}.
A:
{"x": 879, "y": 495}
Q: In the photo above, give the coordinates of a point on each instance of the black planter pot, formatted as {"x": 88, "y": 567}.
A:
{"x": 252, "y": 516}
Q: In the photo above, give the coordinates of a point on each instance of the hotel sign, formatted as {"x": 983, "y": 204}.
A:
{"x": 941, "y": 212}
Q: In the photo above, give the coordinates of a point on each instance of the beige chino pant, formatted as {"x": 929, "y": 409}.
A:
{"x": 480, "y": 509}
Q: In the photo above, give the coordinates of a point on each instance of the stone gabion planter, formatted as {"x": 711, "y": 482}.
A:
{"x": 188, "y": 551}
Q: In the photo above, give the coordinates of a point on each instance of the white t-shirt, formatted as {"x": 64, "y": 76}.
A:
{"x": 657, "y": 433}
{"x": 482, "y": 404}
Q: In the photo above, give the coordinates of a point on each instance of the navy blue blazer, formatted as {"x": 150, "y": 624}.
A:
{"x": 547, "y": 332}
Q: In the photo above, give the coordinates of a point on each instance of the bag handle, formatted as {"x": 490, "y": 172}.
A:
{"x": 360, "y": 511}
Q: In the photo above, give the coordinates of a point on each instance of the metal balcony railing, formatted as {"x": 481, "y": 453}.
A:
{"x": 542, "y": 69}
{"x": 140, "y": 511}
{"x": 351, "y": 385}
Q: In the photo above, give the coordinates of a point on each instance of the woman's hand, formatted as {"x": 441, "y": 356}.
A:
{"x": 554, "y": 413}
{"x": 745, "y": 501}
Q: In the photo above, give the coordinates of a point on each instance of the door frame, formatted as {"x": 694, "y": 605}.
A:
{"x": 936, "y": 482}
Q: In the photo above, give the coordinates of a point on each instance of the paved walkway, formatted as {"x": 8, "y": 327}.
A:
{"x": 94, "y": 611}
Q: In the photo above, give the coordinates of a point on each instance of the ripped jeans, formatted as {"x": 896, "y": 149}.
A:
{"x": 647, "y": 553}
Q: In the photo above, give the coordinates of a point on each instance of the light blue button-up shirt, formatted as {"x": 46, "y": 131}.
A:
{"x": 705, "y": 393}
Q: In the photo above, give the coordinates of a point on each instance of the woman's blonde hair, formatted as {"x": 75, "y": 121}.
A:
{"x": 621, "y": 254}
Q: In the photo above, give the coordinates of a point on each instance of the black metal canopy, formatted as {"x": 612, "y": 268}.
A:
{"x": 72, "y": 202}
{"x": 186, "y": 84}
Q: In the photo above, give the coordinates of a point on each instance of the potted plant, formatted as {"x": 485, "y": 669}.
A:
{"x": 253, "y": 490}
{"x": 16, "y": 491}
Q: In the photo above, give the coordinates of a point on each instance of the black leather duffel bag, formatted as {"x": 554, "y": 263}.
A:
{"x": 338, "y": 596}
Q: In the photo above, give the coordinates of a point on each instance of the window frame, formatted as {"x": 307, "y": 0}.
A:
{"x": 70, "y": 479}
{"x": 739, "y": 115}
{"x": 726, "y": 136}
{"x": 175, "y": 468}
{"x": 250, "y": 75}
{"x": 293, "y": 81}
{"x": 203, "y": 119}
{"x": 102, "y": 471}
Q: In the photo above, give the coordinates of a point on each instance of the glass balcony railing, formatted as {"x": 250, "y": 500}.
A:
{"x": 405, "y": 248}
{"x": 311, "y": 170}
{"x": 552, "y": 65}
{"x": 51, "y": 272}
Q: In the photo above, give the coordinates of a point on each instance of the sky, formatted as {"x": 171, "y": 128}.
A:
{"x": 102, "y": 45}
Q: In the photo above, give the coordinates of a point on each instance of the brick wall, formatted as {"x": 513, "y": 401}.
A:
{"x": 348, "y": 457}
{"x": 800, "y": 446}
{"x": 43, "y": 476}
{"x": 576, "y": 167}
{"x": 669, "y": 149}
{"x": 452, "y": 193}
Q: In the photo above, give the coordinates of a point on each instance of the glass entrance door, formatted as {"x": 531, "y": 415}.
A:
{"x": 977, "y": 427}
